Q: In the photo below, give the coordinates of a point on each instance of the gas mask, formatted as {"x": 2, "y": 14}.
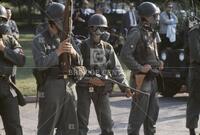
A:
{"x": 99, "y": 33}
{"x": 4, "y": 27}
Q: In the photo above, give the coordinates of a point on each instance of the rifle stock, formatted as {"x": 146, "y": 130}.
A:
{"x": 65, "y": 58}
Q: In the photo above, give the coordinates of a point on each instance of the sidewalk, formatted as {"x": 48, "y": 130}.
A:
{"x": 171, "y": 117}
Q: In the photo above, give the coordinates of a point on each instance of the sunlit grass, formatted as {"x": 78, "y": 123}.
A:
{"x": 25, "y": 80}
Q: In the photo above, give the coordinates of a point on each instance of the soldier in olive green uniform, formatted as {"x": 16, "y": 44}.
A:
{"x": 98, "y": 57}
{"x": 11, "y": 54}
{"x": 140, "y": 55}
{"x": 56, "y": 99}
{"x": 193, "y": 105}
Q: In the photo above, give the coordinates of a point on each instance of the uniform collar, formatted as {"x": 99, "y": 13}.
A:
{"x": 96, "y": 46}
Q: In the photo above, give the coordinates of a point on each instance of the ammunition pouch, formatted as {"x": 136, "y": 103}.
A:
{"x": 77, "y": 73}
{"x": 20, "y": 98}
{"x": 40, "y": 77}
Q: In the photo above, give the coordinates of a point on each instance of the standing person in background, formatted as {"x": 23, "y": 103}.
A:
{"x": 168, "y": 21}
{"x": 12, "y": 24}
{"x": 140, "y": 55}
{"x": 11, "y": 54}
{"x": 130, "y": 18}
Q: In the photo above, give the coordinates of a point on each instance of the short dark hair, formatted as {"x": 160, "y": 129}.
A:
{"x": 169, "y": 3}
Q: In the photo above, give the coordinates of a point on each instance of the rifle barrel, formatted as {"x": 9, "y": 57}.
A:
{"x": 116, "y": 82}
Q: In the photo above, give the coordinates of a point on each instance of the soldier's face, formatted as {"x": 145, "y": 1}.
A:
{"x": 9, "y": 13}
{"x": 96, "y": 33}
{"x": 154, "y": 20}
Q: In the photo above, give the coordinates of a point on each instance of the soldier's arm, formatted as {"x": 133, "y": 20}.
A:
{"x": 116, "y": 70}
{"x": 41, "y": 59}
{"x": 77, "y": 59}
{"x": 14, "y": 53}
{"x": 128, "y": 50}
{"x": 194, "y": 45}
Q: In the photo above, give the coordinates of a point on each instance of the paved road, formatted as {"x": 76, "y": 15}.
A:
{"x": 171, "y": 118}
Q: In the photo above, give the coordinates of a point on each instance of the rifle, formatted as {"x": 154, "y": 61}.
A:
{"x": 65, "y": 58}
{"x": 116, "y": 82}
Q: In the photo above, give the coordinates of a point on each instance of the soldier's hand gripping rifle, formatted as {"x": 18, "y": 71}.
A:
{"x": 107, "y": 78}
{"x": 65, "y": 58}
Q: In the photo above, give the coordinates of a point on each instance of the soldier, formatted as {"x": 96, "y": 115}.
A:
{"x": 98, "y": 57}
{"x": 12, "y": 24}
{"x": 56, "y": 100}
{"x": 11, "y": 54}
{"x": 140, "y": 55}
{"x": 193, "y": 108}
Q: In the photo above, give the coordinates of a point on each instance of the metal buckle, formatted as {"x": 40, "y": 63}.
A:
{"x": 91, "y": 89}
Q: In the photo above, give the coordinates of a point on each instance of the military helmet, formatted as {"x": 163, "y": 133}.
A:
{"x": 55, "y": 11}
{"x": 147, "y": 9}
{"x": 98, "y": 20}
{"x": 3, "y": 12}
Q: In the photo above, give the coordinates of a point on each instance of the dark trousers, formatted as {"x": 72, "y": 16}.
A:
{"x": 165, "y": 43}
{"x": 193, "y": 104}
{"x": 145, "y": 110}
{"x": 9, "y": 110}
{"x": 102, "y": 108}
{"x": 57, "y": 109}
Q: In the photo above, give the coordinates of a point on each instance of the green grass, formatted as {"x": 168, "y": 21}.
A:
{"x": 25, "y": 80}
